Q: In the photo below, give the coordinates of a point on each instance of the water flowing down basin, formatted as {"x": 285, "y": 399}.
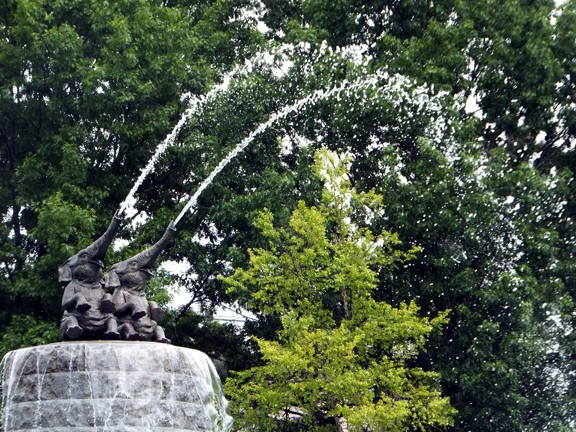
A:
{"x": 111, "y": 386}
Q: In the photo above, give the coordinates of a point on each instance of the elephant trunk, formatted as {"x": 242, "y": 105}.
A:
{"x": 94, "y": 253}
{"x": 97, "y": 250}
{"x": 147, "y": 258}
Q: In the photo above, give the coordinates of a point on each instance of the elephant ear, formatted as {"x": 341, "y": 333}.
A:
{"x": 110, "y": 279}
{"x": 64, "y": 273}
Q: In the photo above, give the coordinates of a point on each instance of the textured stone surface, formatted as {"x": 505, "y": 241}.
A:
{"x": 111, "y": 386}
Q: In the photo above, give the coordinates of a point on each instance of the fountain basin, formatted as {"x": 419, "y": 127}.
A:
{"x": 111, "y": 386}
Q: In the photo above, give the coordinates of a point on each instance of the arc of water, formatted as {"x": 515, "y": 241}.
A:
{"x": 194, "y": 105}
{"x": 316, "y": 96}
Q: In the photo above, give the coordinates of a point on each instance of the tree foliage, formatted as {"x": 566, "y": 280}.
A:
{"x": 88, "y": 90}
{"x": 468, "y": 133}
{"x": 340, "y": 355}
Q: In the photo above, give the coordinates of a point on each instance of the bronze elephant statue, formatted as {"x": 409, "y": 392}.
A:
{"x": 135, "y": 317}
{"x": 84, "y": 303}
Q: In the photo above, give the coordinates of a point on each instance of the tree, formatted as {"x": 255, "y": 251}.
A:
{"x": 340, "y": 356}
{"x": 88, "y": 90}
{"x": 490, "y": 202}
{"x": 490, "y": 198}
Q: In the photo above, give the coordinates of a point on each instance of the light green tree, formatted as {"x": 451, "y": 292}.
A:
{"x": 341, "y": 357}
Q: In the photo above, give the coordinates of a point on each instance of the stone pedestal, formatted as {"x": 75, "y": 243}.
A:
{"x": 111, "y": 386}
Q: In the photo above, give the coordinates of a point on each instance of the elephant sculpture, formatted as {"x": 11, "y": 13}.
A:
{"x": 135, "y": 317}
{"x": 86, "y": 307}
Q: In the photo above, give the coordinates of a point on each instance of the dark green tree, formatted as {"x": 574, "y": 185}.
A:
{"x": 489, "y": 202}
{"x": 472, "y": 150}
{"x": 88, "y": 89}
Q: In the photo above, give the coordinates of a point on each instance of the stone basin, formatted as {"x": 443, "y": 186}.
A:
{"x": 111, "y": 386}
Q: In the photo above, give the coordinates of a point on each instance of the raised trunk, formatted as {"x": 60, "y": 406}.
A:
{"x": 98, "y": 249}
{"x": 147, "y": 258}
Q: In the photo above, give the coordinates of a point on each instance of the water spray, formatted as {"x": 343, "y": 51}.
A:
{"x": 194, "y": 105}
{"x": 318, "y": 95}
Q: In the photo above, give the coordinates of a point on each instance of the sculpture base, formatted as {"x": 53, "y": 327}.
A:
{"x": 111, "y": 386}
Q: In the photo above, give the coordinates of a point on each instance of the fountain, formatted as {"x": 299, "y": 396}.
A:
{"x": 107, "y": 374}
{"x": 110, "y": 373}
{"x": 93, "y": 380}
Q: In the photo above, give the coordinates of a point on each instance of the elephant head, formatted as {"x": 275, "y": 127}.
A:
{"x": 137, "y": 270}
{"x": 88, "y": 262}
